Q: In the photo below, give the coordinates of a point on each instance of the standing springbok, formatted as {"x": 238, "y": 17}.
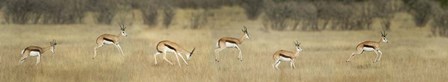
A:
{"x": 231, "y": 42}
{"x": 110, "y": 39}
{"x": 36, "y": 51}
{"x": 370, "y": 46}
{"x": 169, "y": 46}
{"x": 284, "y": 55}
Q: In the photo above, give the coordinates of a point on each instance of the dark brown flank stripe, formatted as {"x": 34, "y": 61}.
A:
{"x": 231, "y": 41}
{"x": 283, "y": 55}
{"x": 171, "y": 47}
{"x": 107, "y": 39}
{"x": 368, "y": 46}
{"x": 38, "y": 50}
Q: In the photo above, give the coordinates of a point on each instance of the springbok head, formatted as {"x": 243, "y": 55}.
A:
{"x": 383, "y": 37}
{"x": 297, "y": 44}
{"x": 123, "y": 30}
{"x": 189, "y": 56}
{"x": 53, "y": 46}
{"x": 246, "y": 34}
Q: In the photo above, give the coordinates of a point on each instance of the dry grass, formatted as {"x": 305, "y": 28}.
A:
{"x": 410, "y": 55}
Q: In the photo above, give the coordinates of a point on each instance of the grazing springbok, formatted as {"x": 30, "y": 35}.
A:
{"x": 169, "y": 46}
{"x": 370, "y": 46}
{"x": 105, "y": 39}
{"x": 36, "y": 51}
{"x": 231, "y": 42}
{"x": 286, "y": 56}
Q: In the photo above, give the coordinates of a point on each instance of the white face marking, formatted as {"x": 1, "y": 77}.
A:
{"x": 52, "y": 49}
{"x": 34, "y": 53}
{"x": 107, "y": 42}
{"x": 284, "y": 58}
{"x": 188, "y": 56}
{"x": 385, "y": 40}
{"x": 298, "y": 48}
{"x": 124, "y": 33}
{"x": 367, "y": 49}
{"x": 246, "y": 36}
{"x": 230, "y": 45}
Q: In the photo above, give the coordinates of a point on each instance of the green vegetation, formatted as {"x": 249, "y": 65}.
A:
{"x": 308, "y": 15}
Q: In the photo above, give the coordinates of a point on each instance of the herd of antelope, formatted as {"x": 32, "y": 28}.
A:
{"x": 225, "y": 42}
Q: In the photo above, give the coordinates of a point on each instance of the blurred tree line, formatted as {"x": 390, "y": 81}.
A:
{"x": 308, "y": 15}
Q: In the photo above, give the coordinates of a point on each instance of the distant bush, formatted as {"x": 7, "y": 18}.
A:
{"x": 150, "y": 15}
{"x": 198, "y": 19}
{"x": 440, "y": 25}
{"x": 316, "y": 15}
{"x": 2, "y": 3}
{"x": 44, "y": 11}
{"x": 420, "y": 10}
{"x": 105, "y": 9}
{"x": 168, "y": 16}
{"x": 440, "y": 21}
{"x": 308, "y": 15}
{"x": 277, "y": 14}
{"x": 252, "y": 8}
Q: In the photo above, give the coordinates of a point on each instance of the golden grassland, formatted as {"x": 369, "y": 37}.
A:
{"x": 410, "y": 55}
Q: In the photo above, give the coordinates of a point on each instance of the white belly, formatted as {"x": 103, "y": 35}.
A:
{"x": 34, "y": 53}
{"x": 368, "y": 49}
{"x": 230, "y": 45}
{"x": 107, "y": 42}
{"x": 284, "y": 59}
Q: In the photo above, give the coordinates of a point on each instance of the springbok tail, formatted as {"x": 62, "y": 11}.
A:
{"x": 217, "y": 44}
{"x": 23, "y": 52}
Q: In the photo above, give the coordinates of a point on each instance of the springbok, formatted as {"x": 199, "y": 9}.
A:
{"x": 169, "y": 46}
{"x": 286, "y": 56}
{"x": 36, "y": 51}
{"x": 231, "y": 42}
{"x": 110, "y": 39}
{"x": 370, "y": 46}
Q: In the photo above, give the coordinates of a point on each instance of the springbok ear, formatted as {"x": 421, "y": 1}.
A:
{"x": 53, "y": 42}
{"x": 297, "y": 43}
{"x": 122, "y": 27}
{"x": 383, "y": 33}
{"x": 244, "y": 29}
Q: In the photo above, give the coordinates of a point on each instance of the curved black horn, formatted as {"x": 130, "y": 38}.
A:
{"x": 244, "y": 29}
{"x": 122, "y": 27}
{"x": 53, "y": 42}
{"x": 296, "y": 42}
{"x": 383, "y": 33}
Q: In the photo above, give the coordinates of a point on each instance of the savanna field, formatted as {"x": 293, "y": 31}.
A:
{"x": 411, "y": 55}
